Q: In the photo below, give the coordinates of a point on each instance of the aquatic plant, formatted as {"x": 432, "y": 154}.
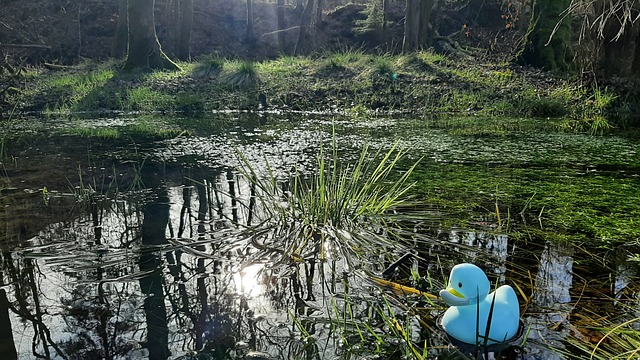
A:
{"x": 333, "y": 201}
{"x": 600, "y": 342}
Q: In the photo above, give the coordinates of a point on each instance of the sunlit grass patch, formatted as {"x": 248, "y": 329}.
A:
{"x": 413, "y": 62}
{"x": 240, "y": 74}
{"x": 208, "y": 67}
{"x": 285, "y": 65}
{"x": 431, "y": 57}
{"x": 145, "y": 99}
{"x": 137, "y": 131}
{"x": 349, "y": 56}
{"x": 603, "y": 340}
{"x": 100, "y": 132}
{"x": 383, "y": 67}
{"x": 164, "y": 76}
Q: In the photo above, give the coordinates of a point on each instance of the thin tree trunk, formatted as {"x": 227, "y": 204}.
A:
{"x": 186, "y": 24}
{"x": 319, "y": 12}
{"x": 144, "y": 47}
{"x": 119, "y": 46}
{"x": 250, "y": 34}
{"x": 385, "y": 3}
{"x": 424, "y": 31}
{"x": 281, "y": 25}
{"x": 305, "y": 19}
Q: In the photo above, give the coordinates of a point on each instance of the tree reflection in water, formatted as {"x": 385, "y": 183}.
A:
{"x": 170, "y": 273}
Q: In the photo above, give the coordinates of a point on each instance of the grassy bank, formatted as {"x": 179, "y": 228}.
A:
{"x": 351, "y": 81}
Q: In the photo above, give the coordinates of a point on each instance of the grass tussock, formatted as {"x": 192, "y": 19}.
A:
{"x": 208, "y": 67}
{"x": 319, "y": 212}
{"x": 241, "y": 74}
{"x": 610, "y": 342}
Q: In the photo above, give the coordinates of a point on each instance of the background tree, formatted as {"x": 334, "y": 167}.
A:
{"x": 280, "y": 25}
{"x": 305, "y": 22}
{"x": 548, "y": 44}
{"x": 186, "y": 25}
{"x": 144, "y": 47}
{"x": 417, "y": 26}
{"x": 251, "y": 37}
{"x": 120, "y": 39}
{"x": 319, "y": 9}
{"x": 609, "y": 36}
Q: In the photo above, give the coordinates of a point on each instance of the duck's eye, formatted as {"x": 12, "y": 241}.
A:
{"x": 460, "y": 285}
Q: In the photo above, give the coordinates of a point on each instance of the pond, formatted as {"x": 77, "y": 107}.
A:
{"x": 121, "y": 242}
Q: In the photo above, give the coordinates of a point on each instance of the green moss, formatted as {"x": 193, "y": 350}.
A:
{"x": 597, "y": 208}
{"x": 544, "y": 50}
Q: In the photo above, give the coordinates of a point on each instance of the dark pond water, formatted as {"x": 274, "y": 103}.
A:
{"x": 138, "y": 247}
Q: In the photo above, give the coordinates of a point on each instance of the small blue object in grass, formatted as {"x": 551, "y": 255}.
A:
{"x": 476, "y": 316}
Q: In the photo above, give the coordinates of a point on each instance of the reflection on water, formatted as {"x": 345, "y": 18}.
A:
{"x": 551, "y": 299}
{"x": 167, "y": 271}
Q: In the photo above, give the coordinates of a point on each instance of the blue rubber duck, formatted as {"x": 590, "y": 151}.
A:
{"x": 468, "y": 296}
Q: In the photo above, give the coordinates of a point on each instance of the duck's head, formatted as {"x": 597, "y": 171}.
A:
{"x": 467, "y": 284}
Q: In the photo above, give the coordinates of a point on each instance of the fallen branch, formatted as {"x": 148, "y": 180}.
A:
{"x": 25, "y": 46}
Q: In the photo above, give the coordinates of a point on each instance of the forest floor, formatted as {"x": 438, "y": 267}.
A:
{"x": 349, "y": 82}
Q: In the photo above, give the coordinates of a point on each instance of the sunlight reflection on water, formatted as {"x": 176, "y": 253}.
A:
{"x": 170, "y": 264}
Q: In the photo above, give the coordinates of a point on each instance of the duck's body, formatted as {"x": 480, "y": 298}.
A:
{"x": 470, "y": 301}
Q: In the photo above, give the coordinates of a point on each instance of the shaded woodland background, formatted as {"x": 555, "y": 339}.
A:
{"x": 593, "y": 38}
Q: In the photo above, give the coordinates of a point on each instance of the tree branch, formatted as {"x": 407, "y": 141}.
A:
{"x": 25, "y": 46}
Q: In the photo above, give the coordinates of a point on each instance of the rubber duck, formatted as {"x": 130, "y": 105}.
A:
{"x": 470, "y": 302}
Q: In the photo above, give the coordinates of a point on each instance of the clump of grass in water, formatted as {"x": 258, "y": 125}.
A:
{"x": 621, "y": 341}
{"x": 332, "y": 203}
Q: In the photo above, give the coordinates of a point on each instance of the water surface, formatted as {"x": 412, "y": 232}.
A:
{"x": 137, "y": 247}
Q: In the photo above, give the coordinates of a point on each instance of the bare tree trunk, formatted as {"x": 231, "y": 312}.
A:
{"x": 186, "y": 24}
{"x": 281, "y": 25}
{"x": 424, "y": 32}
{"x": 119, "y": 46}
{"x": 635, "y": 67}
{"x": 144, "y": 47}
{"x": 305, "y": 20}
{"x": 250, "y": 34}
{"x": 411, "y": 25}
{"x": 319, "y": 12}
{"x": 385, "y": 4}
{"x": 417, "y": 26}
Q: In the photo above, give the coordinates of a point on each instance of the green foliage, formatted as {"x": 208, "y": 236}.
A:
{"x": 428, "y": 82}
{"x": 537, "y": 106}
{"x": 374, "y": 18}
{"x": 381, "y": 68}
{"x": 336, "y": 198}
{"x": 621, "y": 341}
{"x": 241, "y": 74}
{"x": 190, "y": 104}
{"x": 145, "y": 99}
{"x": 208, "y": 67}
{"x": 138, "y": 131}
{"x": 549, "y": 36}
{"x": 414, "y": 62}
